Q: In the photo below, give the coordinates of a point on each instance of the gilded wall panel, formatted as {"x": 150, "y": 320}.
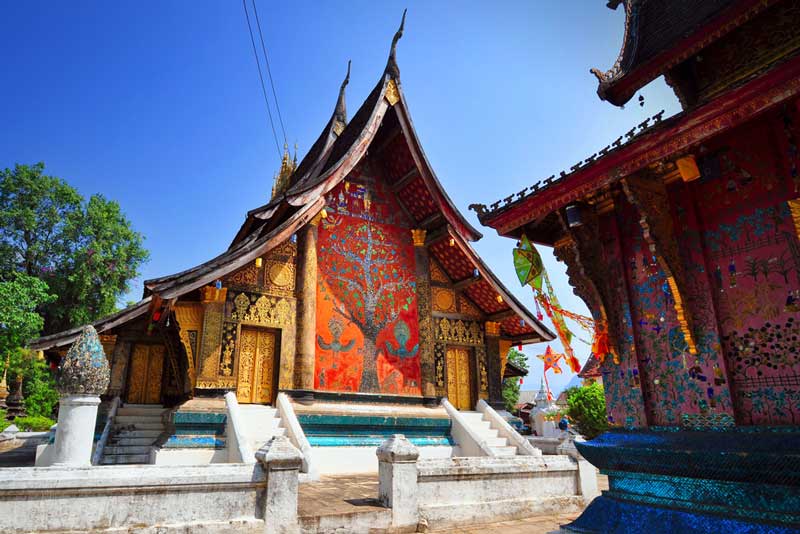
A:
{"x": 438, "y": 276}
{"x": 444, "y": 299}
{"x": 211, "y": 345}
{"x": 465, "y": 307}
{"x": 261, "y": 309}
{"x": 190, "y": 323}
{"x": 460, "y": 332}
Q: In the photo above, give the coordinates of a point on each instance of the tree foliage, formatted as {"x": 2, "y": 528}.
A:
{"x": 587, "y": 410}
{"x": 86, "y": 251}
{"x": 20, "y": 296}
{"x": 511, "y": 385}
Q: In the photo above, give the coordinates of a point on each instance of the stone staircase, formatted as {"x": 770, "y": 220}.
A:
{"x": 483, "y": 428}
{"x": 260, "y": 424}
{"x": 136, "y": 428}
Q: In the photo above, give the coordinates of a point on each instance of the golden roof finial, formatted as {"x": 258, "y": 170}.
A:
{"x": 287, "y": 169}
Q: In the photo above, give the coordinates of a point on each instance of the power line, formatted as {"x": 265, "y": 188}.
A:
{"x": 261, "y": 77}
{"x": 269, "y": 71}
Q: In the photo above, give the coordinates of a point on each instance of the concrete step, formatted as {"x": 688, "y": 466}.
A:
{"x": 117, "y": 459}
{"x": 115, "y": 450}
{"x": 137, "y": 433}
{"x": 486, "y": 433}
{"x": 128, "y": 442}
{"x": 504, "y": 451}
{"x": 138, "y": 426}
{"x": 141, "y": 412}
{"x": 497, "y": 442}
{"x": 134, "y": 419}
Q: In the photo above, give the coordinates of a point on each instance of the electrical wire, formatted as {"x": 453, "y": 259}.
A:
{"x": 261, "y": 77}
{"x": 269, "y": 71}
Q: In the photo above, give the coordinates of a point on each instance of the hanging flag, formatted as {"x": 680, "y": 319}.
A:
{"x": 530, "y": 271}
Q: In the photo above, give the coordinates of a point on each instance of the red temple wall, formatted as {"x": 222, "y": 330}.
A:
{"x": 739, "y": 245}
{"x": 622, "y": 380}
{"x": 753, "y": 259}
{"x": 367, "y": 321}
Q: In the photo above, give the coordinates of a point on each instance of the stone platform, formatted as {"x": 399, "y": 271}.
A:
{"x": 342, "y": 503}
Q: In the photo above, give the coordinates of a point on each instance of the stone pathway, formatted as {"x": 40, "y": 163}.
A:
{"x": 532, "y": 525}
{"x": 341, "y": 494}
{"x": 347, "y": 495}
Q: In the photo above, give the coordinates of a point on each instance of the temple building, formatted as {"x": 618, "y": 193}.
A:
{"x": 356, "y": 283}
{"x": 682, "y": 238}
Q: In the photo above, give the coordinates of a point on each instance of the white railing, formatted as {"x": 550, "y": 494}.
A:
{"x": 97, "y": 457}
{"x": 296, "y": 435}
{"x": 470, "y": 443}
{"x": 235, "y": 440}
{"x": 505, "y": 430}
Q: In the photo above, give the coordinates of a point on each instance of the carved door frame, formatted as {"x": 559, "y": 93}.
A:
{"x": 276, "y": 356}
{"x": 130, "y": 369}
{"x": 472, "y": 360}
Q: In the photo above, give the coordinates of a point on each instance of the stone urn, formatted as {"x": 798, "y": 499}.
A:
{"x": 14, "y": 401}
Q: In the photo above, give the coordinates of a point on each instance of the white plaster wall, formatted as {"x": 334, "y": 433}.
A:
{"x": 139, "y": 498}
{"x": 463, "y": 490}
{"x": 345, "y": 460}
{"x": 188, "y": 456}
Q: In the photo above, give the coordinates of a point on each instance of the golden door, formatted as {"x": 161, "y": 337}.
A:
{"x": 144, "y": 382}
{"x": 459, "y": 379}
{"x": 256, "y": 365}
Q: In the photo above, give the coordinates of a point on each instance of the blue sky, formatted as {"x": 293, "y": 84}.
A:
{"x": 158, "y": 105}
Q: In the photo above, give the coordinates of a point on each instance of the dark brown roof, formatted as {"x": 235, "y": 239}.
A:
{"x": 661, "y": 33}
{"x": 106, "y": 323}
{"x": 513, "y": 370}
{"x": 591, "y": 369}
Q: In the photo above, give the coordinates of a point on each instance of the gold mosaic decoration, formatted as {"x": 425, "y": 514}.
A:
{"x": 437, "y": 274}
{"x": 262, "y": 309}
{"x": 246, "y": 276}
{"x": 483, "y": 377}
{"x": 459, "y": 332}
{"x": 228, "y": 348}
{"x": 210, "y": 344}
{"x": 465, "y": 307}
{"x": 444, "y": 299}
{"x": 190, "y": 321}
{"x": 439, "y": 350}
{"x": 392, "y": 95}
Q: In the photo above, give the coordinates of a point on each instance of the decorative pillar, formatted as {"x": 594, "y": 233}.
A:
{"x": 495, "y": 380}
{"x": 14, "y": 402}
{"x": 82, "y": 377}
{"x": 397, "y": 480}
{"x": 306, "y": 285}
{"x": 281, "y": 460}
{"x": 425, "y": 312}
{"x": 213, "y": 301}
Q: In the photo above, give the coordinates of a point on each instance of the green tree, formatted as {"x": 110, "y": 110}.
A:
{"x": 20, "y": 296}
{"x": 86, "y": 251}
{"x": 511, "y": 385}
{"x": 587, "y": 410}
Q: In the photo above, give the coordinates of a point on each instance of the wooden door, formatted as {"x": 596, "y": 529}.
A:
{"x": 144, "y": 380}
{"x": 459, "y": 379}
{"x": 256, "y": 365}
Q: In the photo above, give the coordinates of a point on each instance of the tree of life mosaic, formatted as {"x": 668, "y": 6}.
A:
{"x": 367, "y": 319}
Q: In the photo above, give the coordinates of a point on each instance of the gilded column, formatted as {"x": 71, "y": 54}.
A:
{"x": 425, "y": 311}
{"x": 213, "y": 301}
{"x": 305, "y": 362}
{"x": 493, "y": 365}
